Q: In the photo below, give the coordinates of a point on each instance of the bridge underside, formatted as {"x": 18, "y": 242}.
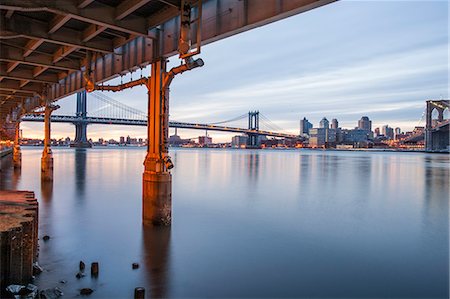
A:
{"x": 47, "y": 45}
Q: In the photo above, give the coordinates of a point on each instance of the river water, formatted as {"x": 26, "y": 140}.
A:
{"x": 246, "y": 223}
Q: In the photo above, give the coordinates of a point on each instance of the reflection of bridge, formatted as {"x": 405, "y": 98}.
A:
{"x": 108, "y": 111}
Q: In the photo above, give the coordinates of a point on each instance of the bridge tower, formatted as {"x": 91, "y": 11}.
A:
{"x": 253, "y": 124}
{"x": 436, "y": 139}
{"x": 81, "y": 140}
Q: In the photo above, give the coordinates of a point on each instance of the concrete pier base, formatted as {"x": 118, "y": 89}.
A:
{"x": 17, "y": 157}
{"x": 157, "y": 198}
{"x": 47, "y": 168}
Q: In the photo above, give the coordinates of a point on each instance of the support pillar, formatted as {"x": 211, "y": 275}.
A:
{"x": 157, "y": 180}
{"x": 47, "y": 155}
{"x": 17, "y": 154}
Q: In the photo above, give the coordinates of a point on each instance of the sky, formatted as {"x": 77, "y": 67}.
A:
{"x": 381, "y": 59}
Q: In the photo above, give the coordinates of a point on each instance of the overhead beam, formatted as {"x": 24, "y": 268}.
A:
{"x": 57, "y": 22}
{"x": 9, "y": 13}
{"x": 102, "y": 15}
{"x": 128, "y": 7}
{"x": 13, "y": 55}
{"x": 23, "y": 83}
{"x": 16, "y": 87}
{"x": 92, "y": 31}
{"x": 84, "y": 3}
{"x": 39, "y": 70}
{"x": 21, "y": 26}
{"x": 11, "y": 66}
{"x": 27, "y": 75}
{"x": 31, "y": 46}
{"x": 62, "y": 52}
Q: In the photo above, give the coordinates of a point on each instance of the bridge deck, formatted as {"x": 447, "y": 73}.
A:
{"x": 138, "y": 122}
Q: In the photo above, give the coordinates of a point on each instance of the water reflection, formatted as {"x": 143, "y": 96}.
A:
{"x": 47, "y": 191}
{"x": 156, "y": 247}
{"x": 253, "y": 168}
{"x": 80, "y": 172}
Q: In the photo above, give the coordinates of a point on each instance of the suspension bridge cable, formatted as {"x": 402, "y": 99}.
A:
{"x": 230, "y": 120}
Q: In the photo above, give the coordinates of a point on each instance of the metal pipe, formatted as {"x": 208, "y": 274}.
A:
{"x": 114, "y": 88}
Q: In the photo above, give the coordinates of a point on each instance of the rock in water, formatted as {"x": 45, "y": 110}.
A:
{"x": 86, "y": 291}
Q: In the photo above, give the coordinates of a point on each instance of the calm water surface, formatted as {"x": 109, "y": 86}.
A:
{"x": 247, "y": 223}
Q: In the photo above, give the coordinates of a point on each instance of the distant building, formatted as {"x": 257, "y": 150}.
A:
{"x": 239, "y": 141}
{"x": 334, "y": 123}
{"x": 324, "y": 123}
{"x": 356, "y": 136}
{"x": 305, "y": 126}
{"x": 377, "y": 132}
{"x": 204, "y": 140}
{"x": 397, "y": 133}
{"x": 387, "y": 131}
{"x": 320, "y": 137}
{"x": 365, "y": 124}
{"x": 122, "y": 140}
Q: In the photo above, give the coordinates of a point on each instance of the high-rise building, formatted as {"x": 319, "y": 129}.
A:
{"x": 397, "y": 132}
{"x": 122, "y": 140}
{"x": 334, "y": 123}
{"x": 377, "y": 132}
{"x": 387, "y": 131}
{"x": 305, "y": 126}
{"x": 365, "y": 124}
{"x": 324, "y": 123}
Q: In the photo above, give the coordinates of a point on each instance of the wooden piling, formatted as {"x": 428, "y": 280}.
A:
{"x": 18, "y": 236}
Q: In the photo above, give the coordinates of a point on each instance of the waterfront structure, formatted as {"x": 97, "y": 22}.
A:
{"x": 204, "y": 140}
{"x": 305, "y": 126}
{"x": 239, "y": 141}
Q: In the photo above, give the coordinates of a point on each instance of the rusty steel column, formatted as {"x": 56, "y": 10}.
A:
{"x": 157, "y": 180}
{"x": 17, "y": 154}
{"x": 47, "y": 155}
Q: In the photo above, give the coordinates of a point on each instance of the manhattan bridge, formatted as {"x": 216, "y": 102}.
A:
{"x": 102, "y": 109}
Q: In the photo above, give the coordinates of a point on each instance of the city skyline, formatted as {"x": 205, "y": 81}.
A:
{"x": 387, "y": 76}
